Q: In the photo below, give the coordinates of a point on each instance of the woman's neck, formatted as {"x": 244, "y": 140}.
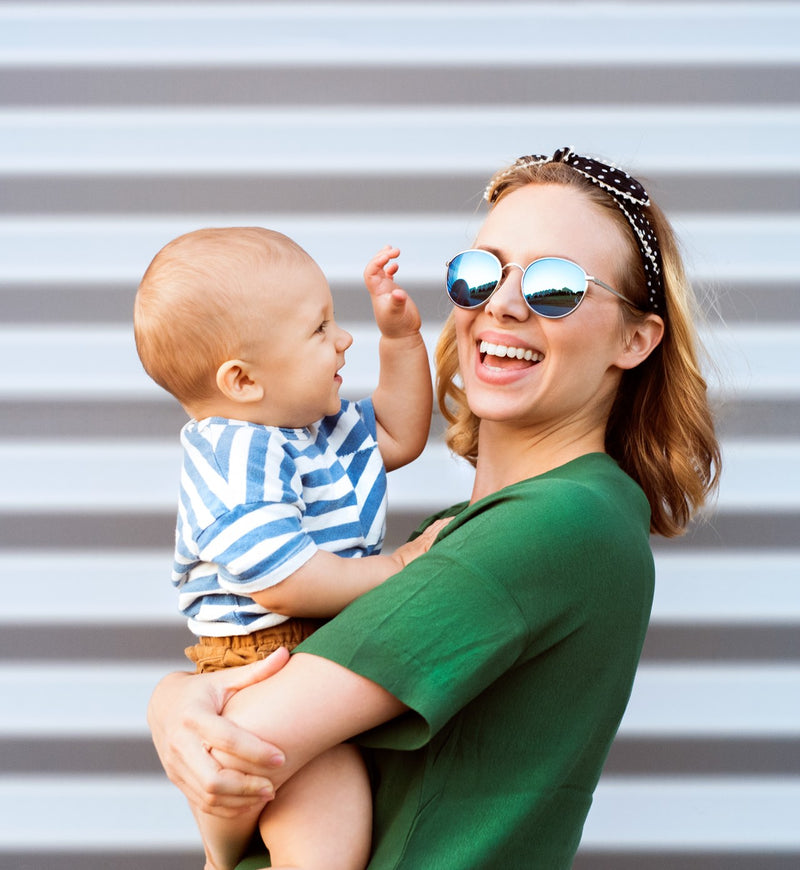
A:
{"x": 508, "y": 455}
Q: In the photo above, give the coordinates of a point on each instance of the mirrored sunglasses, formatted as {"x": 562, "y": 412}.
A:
{"x": 551, "y": 286}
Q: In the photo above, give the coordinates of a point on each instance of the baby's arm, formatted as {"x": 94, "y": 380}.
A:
{"x": 327, "y": 583}
{"x": 403, "y": 399}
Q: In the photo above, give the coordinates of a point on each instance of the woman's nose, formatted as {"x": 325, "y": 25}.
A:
{"x": 507, "y": 299}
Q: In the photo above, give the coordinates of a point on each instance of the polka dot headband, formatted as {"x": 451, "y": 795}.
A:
{"x": 627, "y": 193}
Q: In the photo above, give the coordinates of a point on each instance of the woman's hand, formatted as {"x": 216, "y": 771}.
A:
{"x": 185, "y": 719}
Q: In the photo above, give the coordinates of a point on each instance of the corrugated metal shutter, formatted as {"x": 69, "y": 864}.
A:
{"x": 350, "y": 125}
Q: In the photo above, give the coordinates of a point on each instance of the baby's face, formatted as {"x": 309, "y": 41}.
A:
{"x": 299, "y": 349}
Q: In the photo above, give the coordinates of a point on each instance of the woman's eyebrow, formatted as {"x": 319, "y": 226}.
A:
{"x": 492, "y": 250}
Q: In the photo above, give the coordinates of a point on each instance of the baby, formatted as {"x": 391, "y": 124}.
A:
{"x": 283, "y": 488}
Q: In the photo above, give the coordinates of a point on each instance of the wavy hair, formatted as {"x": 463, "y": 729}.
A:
{"x": 660, "y": 429}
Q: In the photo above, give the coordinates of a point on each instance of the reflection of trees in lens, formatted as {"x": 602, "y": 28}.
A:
{"x": 555, "y": 298}
{"x": 483, "y": 291}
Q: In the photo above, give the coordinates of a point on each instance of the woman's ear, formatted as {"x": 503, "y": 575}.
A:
{"x": 235, "y": 383}
{"x": 642, "y": 339}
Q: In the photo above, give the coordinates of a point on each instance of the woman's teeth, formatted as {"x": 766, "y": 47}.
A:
{"x": 501, "y": 350}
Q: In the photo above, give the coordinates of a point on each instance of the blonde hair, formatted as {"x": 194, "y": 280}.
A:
{"x": 194, "y": 308}
{"x": 660, "y": 429}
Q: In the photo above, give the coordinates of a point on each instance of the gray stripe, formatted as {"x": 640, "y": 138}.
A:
{"x": 79, "y": 531}
{"x": 163, "y": 419}
{"x": 676, "y": 643}
{"x": 771, "y": 302}
{"x": 73, "y": 859}
{"x": 455, "y": 192}
{"x": 103, "y": 419}
{"x": 726, "y": 531}
{"x": 683, "y": 860}
{"x": 686, "y": 860}
{"x": 117, "y": 643}
{"x": 140, "y": 643}
{"x": 65, "y": 756}
{"x": 734, "y": 530}
{"x": 628, "y": 756}
{"x": 699, "y": 757}
{"x": 762, "y": 84}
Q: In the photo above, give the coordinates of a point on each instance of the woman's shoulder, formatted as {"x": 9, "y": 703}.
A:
{"x": 590, "y": 475}
{"x": 591, "y": 494}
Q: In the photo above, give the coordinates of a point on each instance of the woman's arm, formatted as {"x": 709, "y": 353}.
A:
{"x": 306, "y": 707}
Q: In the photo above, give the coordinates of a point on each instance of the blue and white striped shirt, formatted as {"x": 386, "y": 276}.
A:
{"x": 256, "y": 503}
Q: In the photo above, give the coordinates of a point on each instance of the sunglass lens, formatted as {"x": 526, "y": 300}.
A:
{"x": 472, "y": 277}
{"x": 553, "y": 287}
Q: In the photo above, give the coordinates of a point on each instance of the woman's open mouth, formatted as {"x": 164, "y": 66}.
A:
{"x": 503, "y": 357}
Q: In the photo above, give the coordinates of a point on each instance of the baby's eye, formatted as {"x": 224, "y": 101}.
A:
{"x": 323, "y": 326}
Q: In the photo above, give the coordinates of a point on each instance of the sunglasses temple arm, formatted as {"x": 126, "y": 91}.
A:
{"x": 612, "y": 290}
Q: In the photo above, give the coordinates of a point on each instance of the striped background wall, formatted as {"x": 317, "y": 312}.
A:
{"x": 350, "y": 125}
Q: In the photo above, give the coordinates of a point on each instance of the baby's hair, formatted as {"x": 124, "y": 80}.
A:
{"x": 194, "y": 308}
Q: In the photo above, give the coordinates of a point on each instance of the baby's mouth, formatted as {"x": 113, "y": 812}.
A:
{"x": 501, "y": 356}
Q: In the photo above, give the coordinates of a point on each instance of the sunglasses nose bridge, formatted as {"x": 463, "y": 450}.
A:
{"x": 509, "y": 298}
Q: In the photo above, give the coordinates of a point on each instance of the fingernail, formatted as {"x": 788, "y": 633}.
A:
{"x": 277, "y": 760}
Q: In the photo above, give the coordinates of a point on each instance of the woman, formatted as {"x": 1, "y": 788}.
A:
{"x": 492, "y": 673}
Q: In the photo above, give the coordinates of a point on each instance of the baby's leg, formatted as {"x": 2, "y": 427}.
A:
{"x": 225, "y": 840}
{"x": 321, "y": 818}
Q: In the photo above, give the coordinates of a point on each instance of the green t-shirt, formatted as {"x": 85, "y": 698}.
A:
{"x": 514, "y": 642}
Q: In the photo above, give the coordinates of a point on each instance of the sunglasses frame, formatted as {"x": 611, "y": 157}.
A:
{"x": 524, "y": 269}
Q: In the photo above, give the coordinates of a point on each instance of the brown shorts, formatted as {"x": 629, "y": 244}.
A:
{"x": 216, "y": 653}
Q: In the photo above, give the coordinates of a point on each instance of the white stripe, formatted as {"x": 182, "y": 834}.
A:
{"x": 406, "y": 34}
{"x": 693, "y": 587}
{"x": 647, "y": 141}
{"x": 140, "y": 813}
{"x": 61, "y": 363}
{"x": 751, "y": 247}
{"x": 134, "y": 814}
{"x": 727, "y": 814}
{"x": 710, "y": 700}
{"x": 759, "y": 476}
{"x": 756, "y": 587}
{"x": 668, "y": 701}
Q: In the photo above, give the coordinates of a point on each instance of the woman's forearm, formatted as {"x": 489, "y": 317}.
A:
{"x": 309, "y": 706}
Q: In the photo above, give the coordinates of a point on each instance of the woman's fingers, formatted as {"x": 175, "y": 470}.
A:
{"x": 186, "y": 720}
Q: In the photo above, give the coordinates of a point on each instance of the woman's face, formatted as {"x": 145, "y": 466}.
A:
{"x": 577, "y": 360}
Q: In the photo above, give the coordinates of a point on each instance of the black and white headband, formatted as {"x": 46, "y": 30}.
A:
{"x": 627, "y": 193}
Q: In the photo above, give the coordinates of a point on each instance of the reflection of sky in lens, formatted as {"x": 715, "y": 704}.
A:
{"x": 477, "y": 269}
{"x": 550, "y": 273}
{"x": 554, "y": 287}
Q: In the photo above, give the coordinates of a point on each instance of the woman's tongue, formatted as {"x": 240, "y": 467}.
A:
{"x": 505, "y": 362}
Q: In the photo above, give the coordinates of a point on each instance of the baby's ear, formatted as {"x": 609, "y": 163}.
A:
{"x": 234, "y": 382}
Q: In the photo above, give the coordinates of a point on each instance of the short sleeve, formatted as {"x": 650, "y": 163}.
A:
{"x": 256, "y": 546}
{"x": 242, "y": 505}
{"x": 441, "y": 631}
{"x": 509, "y": 580}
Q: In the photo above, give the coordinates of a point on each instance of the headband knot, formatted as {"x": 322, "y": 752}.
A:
{"x": 627, "y": 193}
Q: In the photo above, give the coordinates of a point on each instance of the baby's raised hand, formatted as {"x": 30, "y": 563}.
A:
{"x": 395, "y": 313}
